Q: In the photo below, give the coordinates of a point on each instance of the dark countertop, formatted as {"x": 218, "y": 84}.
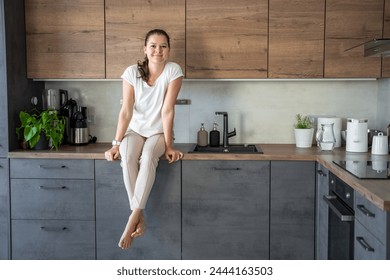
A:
{"x": 376, "y": 191}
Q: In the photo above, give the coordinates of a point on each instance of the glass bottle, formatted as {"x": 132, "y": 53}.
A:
{"x": 214, "y": 137}
{"x": 325, "y": 137}
{"x": 202, "y": 136}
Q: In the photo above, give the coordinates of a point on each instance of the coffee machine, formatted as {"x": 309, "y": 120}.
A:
{"x": 76, "y": 131}
{"x": 79, "y": 134}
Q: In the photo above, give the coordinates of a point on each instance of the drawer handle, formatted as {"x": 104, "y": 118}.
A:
{"x": 54, "y": 228}
{"x": 226, "y": 168}
{"x": 53, "y": 188}
{"x": 365, "y": 211}
{"x": 52, "y": 167}
{"x": 364, "y": 244}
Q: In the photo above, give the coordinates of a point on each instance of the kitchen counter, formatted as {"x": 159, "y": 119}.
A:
{"x": 376, "y": 191}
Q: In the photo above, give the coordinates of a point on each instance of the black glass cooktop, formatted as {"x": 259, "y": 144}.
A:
{"x": 366, "y": 169}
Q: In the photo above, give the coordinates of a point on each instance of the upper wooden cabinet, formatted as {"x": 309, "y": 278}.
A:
{"x": 386, "y": 34}
{"x": 296, "y": 39}
{"x": 127, "y": 23}
{"x": 65, "y": 38}
{"x": 226, "y": 38}
{"x": 350, "y": 23}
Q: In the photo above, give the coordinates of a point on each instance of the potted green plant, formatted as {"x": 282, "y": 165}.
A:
{"x": 304, "y": 131}
{"x": 37, "y": 124}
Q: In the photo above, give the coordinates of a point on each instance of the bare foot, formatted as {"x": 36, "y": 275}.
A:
{"x": 130, "y": 229}
{"x": 140, "y": 228}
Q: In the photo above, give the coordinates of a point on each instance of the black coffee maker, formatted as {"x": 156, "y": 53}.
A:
{"x": 76, "y": 131}
{"x": 79, "y": 134}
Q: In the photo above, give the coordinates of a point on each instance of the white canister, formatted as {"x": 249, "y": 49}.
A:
{"x": 380, "y": 144}
{"x": 336, "y": 127}
{"x": 357, "y": 135}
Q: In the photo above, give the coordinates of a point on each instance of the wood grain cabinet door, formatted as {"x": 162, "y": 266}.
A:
{"x": 127, "y": 23}
{"x": 226, "y": 39}
{"x": 350, "y": 23}
{"x": 65, "y": 38}
{"x": 296, "y": 39}
{"x": 386, "y": 34}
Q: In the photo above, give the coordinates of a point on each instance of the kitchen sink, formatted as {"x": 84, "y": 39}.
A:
{"x": 233, "y": 149}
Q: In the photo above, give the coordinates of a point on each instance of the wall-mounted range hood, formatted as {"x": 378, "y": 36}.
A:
{"x": 377, "y": 47}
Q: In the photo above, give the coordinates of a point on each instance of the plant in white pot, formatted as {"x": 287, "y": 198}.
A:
{"x": 304, "y": 132}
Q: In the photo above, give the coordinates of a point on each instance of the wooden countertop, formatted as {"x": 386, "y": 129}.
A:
{"x": 376, "y": 191}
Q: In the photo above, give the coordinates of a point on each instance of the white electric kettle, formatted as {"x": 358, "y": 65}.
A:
{"x": 357, "y": 135}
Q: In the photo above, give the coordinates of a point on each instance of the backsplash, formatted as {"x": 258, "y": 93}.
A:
{"x": 261, "y": 111}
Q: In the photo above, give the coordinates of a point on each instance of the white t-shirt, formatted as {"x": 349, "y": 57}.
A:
{"x": 146, "y": 119}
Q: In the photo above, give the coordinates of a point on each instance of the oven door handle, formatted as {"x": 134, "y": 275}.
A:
{"x": 344, "y": 214}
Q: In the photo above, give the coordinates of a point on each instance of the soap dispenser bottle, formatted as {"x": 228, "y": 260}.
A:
{"x": 202, "y": 136}
{"x": 214, "y": 136}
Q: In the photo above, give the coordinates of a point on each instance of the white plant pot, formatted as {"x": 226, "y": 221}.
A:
{"x": 304, "y": 137}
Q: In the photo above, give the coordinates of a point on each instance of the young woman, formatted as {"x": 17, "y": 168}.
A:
{"x": 145, "y": 126}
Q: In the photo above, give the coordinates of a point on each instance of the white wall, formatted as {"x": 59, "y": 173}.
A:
{"x": 383, "y": 113}
{"x": 261, "y": 111}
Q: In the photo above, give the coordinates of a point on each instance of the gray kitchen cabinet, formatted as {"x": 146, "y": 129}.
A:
{"x": 322, "y": 188}
{"x": 372, "y": 230}
{"x": 4, "y": 209}
{"x": 15, "y": 94}
{"x": 53, "y": 239}
{"x": 52, "y": 169}
{"x": 292, "y": 210}
{"x": 162, "y": 239}
{"x": 54, "y": 201}
{"x": 225, "y": 209}
{"x": 66, "y": 199}
{"x": 4, "y": 174}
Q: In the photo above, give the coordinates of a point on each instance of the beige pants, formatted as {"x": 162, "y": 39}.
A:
{"x": 140, "y": 158}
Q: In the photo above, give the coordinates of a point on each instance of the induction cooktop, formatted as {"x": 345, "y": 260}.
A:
{"x": 363, "y": 169}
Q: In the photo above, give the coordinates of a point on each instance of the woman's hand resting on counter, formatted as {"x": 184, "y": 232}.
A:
{"x": 112, "y": 154}
{"x": 173, "y": 155}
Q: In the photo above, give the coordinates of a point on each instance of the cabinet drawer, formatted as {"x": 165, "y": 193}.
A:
{"x": 367, "y": 246}
{"x": 371, "y": 217}
{"x": 52, "y": 199}
{"x": 52, "y": 168}
{"x": 53, "y": 240}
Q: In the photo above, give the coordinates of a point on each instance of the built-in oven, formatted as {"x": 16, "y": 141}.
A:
{"x": 340, "y": 219}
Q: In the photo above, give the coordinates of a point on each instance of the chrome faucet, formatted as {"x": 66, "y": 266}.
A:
{"x": 226, "y": 134}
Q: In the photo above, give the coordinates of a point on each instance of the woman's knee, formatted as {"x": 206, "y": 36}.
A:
{"x": 149, "y": 159}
